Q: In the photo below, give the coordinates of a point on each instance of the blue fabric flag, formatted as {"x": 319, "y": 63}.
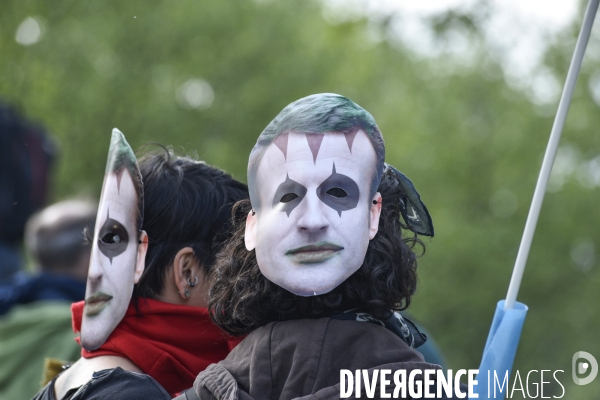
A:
{"x": 499, "y": 352}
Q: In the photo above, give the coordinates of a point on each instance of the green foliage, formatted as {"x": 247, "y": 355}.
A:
{"x": 471, "y": 144}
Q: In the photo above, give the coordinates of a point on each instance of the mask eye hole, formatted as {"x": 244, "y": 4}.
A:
{"x": 337, "y": 192}
{"x": 288, "y": 197}
{"x": 111, "y": 238}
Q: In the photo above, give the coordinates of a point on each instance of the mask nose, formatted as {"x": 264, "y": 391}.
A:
{"x": 313, "y": 218}
{"x": 95, "y": 271}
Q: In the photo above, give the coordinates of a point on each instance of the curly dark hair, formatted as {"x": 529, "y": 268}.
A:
{"x": 243, "y": 299}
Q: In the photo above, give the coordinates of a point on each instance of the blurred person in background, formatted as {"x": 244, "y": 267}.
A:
{"x": 26, "y": 153}
{"x": 36, "y": 317}
{"x": 166, "y": 332}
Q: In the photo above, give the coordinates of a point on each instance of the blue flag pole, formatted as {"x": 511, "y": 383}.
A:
{"x": 505, "y": 332}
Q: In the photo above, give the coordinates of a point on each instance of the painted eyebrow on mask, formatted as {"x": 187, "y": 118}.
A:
{"x": 119, "y": 176}
{"x": 289, "y": 193}
{"x": 314, "y": 142}
{"x": 339, "y": 192}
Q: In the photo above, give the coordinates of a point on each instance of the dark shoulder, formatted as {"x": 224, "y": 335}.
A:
{"x": 47, "y": 392}
{"x": 333, "y": 333}
{"x": 83, "y": 370}
{"x": 339, "y": 336}
{"x": 120, "y": 384}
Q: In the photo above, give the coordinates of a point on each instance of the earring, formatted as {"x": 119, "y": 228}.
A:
{"x": 186, "y": 293}
{"x": 253, "y": 212}
{"x": 189, "y": 282}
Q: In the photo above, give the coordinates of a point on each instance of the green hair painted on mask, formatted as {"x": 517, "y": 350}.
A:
{"x": 318, "y": 114}
{"x": 121, "y": 156}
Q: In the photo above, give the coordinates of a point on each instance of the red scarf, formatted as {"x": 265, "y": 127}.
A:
{"x": 171, "y": 343}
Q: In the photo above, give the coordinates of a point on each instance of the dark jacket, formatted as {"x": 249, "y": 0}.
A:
{"x": 114, "y": 384}
{"x": 303, "y": 358}
{"x": 24, "y": 289}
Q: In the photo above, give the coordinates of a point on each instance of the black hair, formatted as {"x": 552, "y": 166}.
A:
{"x": 318, "y": 114}
{"x": 243, "y": 299}
{"x": 187, "y": 204}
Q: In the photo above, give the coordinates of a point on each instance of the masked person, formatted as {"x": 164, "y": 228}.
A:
{"x": 157, "y": 232}
{"x": 318, "y": 265}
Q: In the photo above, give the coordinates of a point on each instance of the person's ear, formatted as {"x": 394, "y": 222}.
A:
{"x": 374, "y": 215}
{"x": 140, "y": 262}
{"x": 186, "y": 272}
{"x": 250, "y": 233}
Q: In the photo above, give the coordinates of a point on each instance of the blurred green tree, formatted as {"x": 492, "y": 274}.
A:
{"x": 207, "y": 77}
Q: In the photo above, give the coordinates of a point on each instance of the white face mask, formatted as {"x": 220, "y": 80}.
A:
{"x": 316, "y": 215}
{"x": 117, "y": 258}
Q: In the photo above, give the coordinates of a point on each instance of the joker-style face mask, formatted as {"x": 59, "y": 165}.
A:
{"x": 118, "y": 246}
{"x": 316, "y": 214}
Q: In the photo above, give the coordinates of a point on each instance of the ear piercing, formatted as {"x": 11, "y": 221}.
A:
{"x": 189, "y": 282}
{"x": 374, "y": 201}
{"x": 253, "y": 212}
{"x": 186, "y": 292}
